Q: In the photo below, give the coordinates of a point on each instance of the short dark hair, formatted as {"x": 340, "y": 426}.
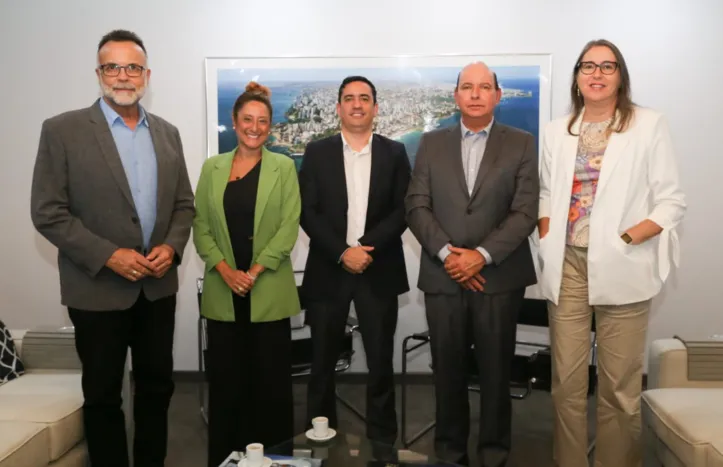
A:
{"x": 121, "y": 35}
{"x": 353, "y": 79}
{"x": 494, "y": 78}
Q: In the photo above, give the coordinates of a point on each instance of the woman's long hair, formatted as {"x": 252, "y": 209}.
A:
{"x": 624, "y": 106}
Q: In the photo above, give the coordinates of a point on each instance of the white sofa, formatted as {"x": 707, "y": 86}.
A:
{"x": 41, "y": 419}
{"x": 682, "y": 419}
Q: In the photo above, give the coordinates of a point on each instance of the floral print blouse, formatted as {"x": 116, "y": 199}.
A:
{"x": 591, "y": 147}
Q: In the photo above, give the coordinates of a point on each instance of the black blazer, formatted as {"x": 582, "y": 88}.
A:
{"x": 324, "y": 201}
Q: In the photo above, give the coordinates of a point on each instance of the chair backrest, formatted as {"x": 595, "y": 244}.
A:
{"x": 534, "y": 313}
{"x": 301, "y": 298}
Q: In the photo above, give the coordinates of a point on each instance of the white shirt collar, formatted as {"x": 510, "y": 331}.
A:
{"x": 365, "y": 150}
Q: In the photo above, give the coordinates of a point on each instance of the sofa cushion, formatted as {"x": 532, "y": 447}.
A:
{"x": 23, "y": 444}
{"x": 76, "y": 457}
{"x": 687, "y": 420}
{"x": 715, "y": 453}
{"x": 18, "y": 335}
{"x": 52, "y": 399}
{"x": 11, "y": 366}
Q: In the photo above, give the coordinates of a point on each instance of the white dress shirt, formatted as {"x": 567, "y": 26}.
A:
{"x": 473, "y": 149}
{"x": 357, "y": 169}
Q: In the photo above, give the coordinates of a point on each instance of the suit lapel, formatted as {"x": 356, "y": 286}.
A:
{"x": 454, "y": 143}
{"x": 569, "y": 152}
{"x": 493, "y": 150}
{"x": 611, "y": 157}
{"x": 219, "y": 180}
{"x": 268, "y": 178}
{"x": 162, "y": 159}
{"x": 337, "y": 171}
{"x": 379, "y": 160}
{"x": 109, "y": 150}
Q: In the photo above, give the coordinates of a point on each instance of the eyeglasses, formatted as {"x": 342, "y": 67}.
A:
{"x": 606, "y": 68}
{"x": 113, "y": 70}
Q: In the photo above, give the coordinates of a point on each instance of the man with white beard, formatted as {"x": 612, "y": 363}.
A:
{"x": 110, "y": 190}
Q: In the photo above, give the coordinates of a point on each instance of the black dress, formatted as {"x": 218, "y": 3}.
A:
{"x": 239, "y": 204}
{"x": 248, "y": 364}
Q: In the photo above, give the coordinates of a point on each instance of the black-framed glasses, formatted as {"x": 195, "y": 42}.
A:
{"x": 606, "y": 68}
{"x": 113, "y": 69}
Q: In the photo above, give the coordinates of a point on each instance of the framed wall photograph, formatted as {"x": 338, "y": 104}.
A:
{"x": 415, "y": 95}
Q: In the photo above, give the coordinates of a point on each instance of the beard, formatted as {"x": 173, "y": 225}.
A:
{"x": 123, "y": 99}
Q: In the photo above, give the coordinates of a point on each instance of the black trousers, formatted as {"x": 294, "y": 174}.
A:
{"x": 102, "y": 339}
{"x": 377, "y": 322}
{"x": 248, "y": 366}
{"x": 455, "y": 323}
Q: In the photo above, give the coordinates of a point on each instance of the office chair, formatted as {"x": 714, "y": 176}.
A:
{"x": 528, "y": 371}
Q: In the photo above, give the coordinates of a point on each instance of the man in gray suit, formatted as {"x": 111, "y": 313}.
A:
{"x": 110, "y": 190}
{"x": 472, "y": 203}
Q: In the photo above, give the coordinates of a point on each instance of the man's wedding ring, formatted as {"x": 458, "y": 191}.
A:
{"x": 135, "y": 273}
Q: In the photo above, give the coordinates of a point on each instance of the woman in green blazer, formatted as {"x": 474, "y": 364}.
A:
{"x": 247, "y": 222}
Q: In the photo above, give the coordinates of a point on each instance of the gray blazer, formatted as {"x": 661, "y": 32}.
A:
{"x": 81, "y": 202}
{"x": 499, "y": 215}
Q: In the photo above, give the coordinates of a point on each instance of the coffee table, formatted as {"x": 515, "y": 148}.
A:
{"x": 344, "y": 450}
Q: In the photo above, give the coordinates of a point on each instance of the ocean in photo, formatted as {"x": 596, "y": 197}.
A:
{"x": 520, "y": 112}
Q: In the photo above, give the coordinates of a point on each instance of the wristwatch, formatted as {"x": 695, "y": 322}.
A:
{"x": 626, "y": 238}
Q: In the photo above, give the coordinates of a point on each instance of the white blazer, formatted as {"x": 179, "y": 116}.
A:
{"x": 638, "y": 180}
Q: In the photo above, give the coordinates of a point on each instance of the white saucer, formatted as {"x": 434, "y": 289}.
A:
{"x": 330, "y": 434}
{"x": 244, "y": 462}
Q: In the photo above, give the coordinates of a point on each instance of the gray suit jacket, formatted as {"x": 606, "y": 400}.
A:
{"x": 81, "y": 202}
{"x": 499, "y": 215}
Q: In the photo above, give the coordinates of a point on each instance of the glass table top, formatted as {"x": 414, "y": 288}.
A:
{"x": 343, "y": 450}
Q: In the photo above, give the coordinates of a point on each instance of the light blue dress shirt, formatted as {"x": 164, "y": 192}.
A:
{"x": 138, "y": 157}
{"x": 473, "y": 149}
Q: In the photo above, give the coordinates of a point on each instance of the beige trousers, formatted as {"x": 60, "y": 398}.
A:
{"x": 621, "y": 335}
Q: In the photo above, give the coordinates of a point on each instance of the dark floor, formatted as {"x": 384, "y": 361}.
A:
{"x": 531, "y": 425}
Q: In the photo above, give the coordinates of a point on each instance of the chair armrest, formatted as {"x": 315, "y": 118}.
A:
{"x": 421, "y": 336}
{"x": 47, "y": 349}
{"x": 668, "y": 367}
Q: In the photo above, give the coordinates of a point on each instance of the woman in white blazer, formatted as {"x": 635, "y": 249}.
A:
{"x": 610, "y": 201}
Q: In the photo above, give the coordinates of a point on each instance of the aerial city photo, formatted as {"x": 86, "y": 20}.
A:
{"x": 411, "y": 101}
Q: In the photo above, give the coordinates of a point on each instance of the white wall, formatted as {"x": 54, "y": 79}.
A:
{"x": 48, "y": 56}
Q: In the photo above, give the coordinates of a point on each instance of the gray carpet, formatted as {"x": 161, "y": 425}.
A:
{"x": 531, "y": 425}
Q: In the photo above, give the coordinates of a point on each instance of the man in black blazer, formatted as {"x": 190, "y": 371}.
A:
{"x": 352, "y": 189}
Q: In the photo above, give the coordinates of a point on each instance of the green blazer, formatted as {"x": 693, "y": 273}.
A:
{"x": 276, "y": 228}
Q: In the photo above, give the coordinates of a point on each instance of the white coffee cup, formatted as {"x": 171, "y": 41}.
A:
{"x": 321, "y": 426}
{"x": 255, "y": 455}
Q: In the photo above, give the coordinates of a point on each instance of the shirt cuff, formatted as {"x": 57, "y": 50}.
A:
{"x": 342, "y": 255}
{"x": 443, "y": 253}
{"x": 485, "y": 253}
